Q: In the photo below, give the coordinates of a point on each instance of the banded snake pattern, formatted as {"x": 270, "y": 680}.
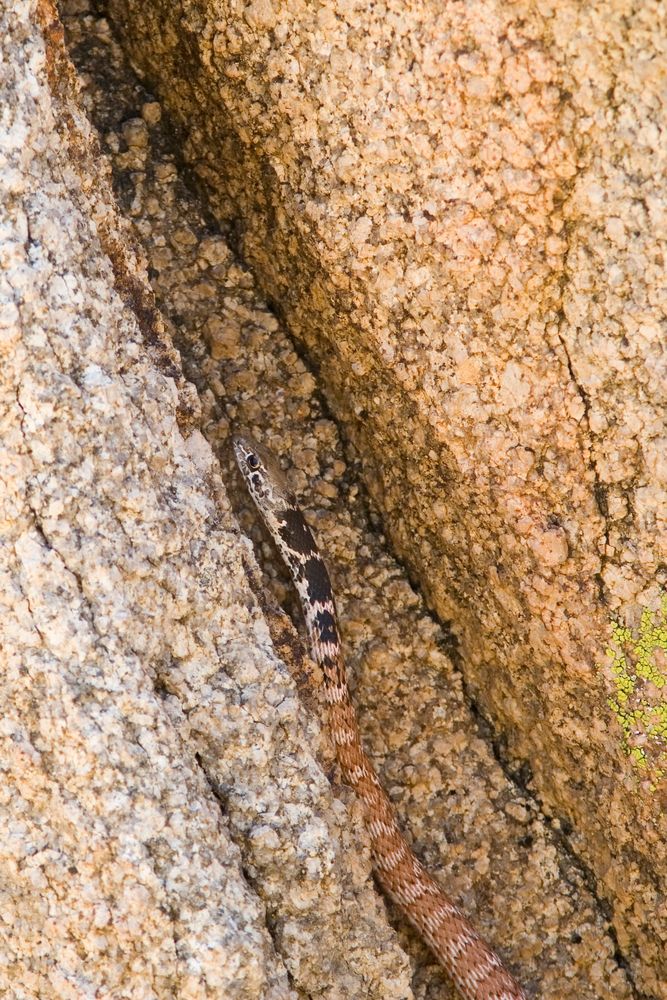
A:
{"x": 475, "y": 969}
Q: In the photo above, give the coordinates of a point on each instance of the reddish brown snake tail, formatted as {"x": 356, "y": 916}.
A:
{"x": 474, "y": 967}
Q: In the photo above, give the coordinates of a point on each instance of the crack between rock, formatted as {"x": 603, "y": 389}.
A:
{"x": 599, "y": 489}
{"x": 519, "y": 777}
{"x": 239, "y": 839}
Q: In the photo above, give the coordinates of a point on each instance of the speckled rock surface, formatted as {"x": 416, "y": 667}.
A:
{"x": 478, "y": 831}
{"x": 459, "y": 209}
{"x": 165, "y": 827}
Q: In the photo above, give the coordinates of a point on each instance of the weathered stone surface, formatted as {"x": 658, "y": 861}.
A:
{"x": 460, "y": 212}
{"x": 147, "y": 727}
{"x": 479, "y": 832}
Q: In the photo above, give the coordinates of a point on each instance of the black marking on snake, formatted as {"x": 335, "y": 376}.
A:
{"x": 295, "y": 564}
{"x": 295, "y": 532}
{"x": 317, "y": 578}
{"x": 326, "y": 626}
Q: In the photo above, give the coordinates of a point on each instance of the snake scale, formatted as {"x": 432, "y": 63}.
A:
{"x": 475, "y": 969}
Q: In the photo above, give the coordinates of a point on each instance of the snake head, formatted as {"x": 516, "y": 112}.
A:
{"x": 261, "y": 470}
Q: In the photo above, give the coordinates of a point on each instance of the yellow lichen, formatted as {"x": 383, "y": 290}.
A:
{"x": 638, "y": 665}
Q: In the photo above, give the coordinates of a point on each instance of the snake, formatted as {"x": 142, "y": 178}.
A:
{"x": 475, "y": 969}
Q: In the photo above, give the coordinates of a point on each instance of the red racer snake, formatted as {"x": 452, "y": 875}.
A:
{"x": 475, "y": 969}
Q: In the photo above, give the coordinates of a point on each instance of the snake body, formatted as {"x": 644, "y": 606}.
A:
{"x": 475, "y": 969}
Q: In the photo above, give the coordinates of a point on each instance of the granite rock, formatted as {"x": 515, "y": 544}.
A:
{"x": 460, "y": 214}
{"x": 166, "y": 827}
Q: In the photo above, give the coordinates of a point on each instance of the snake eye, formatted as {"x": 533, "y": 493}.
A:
{"x": 252, "y": 462}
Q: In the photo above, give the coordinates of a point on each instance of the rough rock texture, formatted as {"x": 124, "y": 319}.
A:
{"x": 146, "y": 725}
{"x": 478, "y": 831}
{"x": 459, "y": 209}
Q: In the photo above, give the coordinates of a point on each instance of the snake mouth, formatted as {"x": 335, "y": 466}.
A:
{"x": 249, "y": 453}
{"x": 261, "y": 470}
